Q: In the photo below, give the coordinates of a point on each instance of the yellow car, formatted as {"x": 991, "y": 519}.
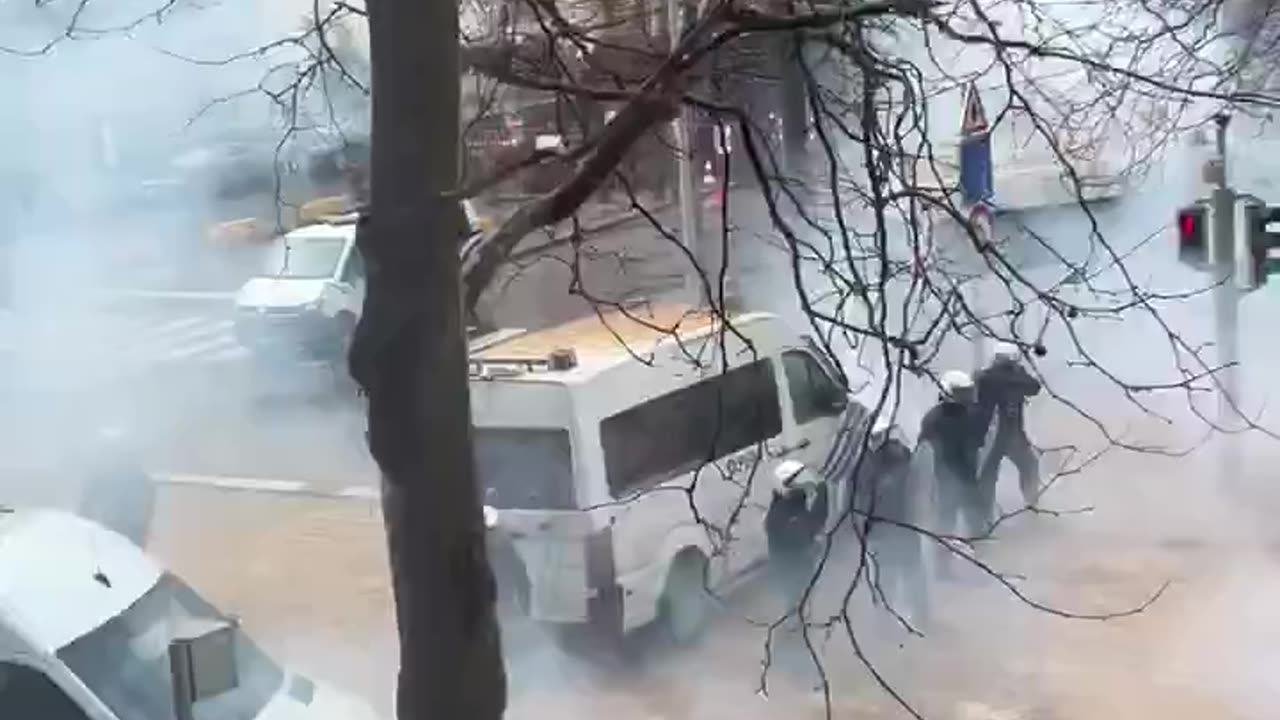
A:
{"x": 244, "y": 230}
{"x": 314, "y": 211}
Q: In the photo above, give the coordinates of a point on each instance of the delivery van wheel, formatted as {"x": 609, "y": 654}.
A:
{"x": 685, "y": 607}
{"x": 345, "y": 386}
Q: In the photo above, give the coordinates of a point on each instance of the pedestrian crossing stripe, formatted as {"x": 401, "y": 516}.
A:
{"x": 192, "y": 338}
{"x": 94, "y": 347}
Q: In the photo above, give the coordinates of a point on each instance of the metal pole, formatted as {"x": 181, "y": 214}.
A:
{"x": 977, "y": 298}
{"x": 1226, "y": 301}
{"x": 687, "y": 187}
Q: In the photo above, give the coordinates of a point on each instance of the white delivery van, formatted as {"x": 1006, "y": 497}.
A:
{"x": 621, "y": 463}
{"x": 304, "y": 306}
{"x": 92, "y": 629}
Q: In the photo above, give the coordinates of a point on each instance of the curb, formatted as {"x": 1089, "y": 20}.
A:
{"x": 298, "y": 488}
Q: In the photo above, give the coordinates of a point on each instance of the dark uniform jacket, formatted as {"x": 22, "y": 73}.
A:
{"x": 1003, "y": 390}
{"x": 883, "y": 486}
{"x": 791, "y": 525}
{"x": 955, "y": 434}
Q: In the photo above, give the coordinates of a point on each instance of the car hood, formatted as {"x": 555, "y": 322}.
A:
{"x": 275, "y": 292}
{"x": 327, "y": 703}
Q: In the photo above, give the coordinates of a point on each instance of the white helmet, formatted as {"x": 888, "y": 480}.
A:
{"x": 788, "y": 475}
{"x": 954, "y": 380}
{"x": 1005, "y": 352}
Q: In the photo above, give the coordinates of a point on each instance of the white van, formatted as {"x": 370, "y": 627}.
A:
{"x": 305, "y": 304}
{"x": 92, "y": 629}
{"x": 596, "y": 440}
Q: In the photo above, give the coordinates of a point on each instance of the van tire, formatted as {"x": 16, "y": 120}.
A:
{"x": 344, "y": 334}
{"x": 684, "y": 609}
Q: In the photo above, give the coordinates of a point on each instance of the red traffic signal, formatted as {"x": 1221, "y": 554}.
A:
{"x": 1188, "y": 225}
{"x": 1193, "y": 235}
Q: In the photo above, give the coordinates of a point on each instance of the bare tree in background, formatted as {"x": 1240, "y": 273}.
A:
{"x": 858, "y": 214}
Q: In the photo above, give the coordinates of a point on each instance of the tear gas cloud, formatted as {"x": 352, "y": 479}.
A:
{"x": 115, "y": 145}
{"x": 99, "y": 124}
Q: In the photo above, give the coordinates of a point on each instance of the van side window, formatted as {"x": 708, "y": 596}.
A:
{"x": 677, "y": 432}
{"x": 814, "y": 394}
{"x": 27, "y": 693}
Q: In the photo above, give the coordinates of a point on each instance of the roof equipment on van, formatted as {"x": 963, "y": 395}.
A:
{"x": 563, "y": 359}
{"x": 489, "y": 368}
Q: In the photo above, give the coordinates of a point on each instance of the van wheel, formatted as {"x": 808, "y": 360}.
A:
{"x": 685, "y": 607}
{"x": 345, "y": 331}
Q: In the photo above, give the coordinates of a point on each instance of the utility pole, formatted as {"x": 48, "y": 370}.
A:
{"x": 689, "y": 197}
{"x": 976, "y": 188}
{"x": 1226, "y": 297}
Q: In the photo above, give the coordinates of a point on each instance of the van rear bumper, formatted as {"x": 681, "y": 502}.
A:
{"x": 601, "y": 632}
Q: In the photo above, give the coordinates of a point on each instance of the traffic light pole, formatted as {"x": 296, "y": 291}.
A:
{"x": 1226, "y": 302}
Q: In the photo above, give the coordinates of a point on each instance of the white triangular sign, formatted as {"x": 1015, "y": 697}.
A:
{"x": 975, "y": 117}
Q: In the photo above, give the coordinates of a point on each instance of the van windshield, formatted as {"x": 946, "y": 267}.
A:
{"x": 125, "y": 662}
{"x": 524, "y": 468}
{"x": 310, "y": 259}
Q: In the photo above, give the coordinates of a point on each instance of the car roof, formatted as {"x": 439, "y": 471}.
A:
{"x": 601, "y": 341}
{"x": 62, "y": 576}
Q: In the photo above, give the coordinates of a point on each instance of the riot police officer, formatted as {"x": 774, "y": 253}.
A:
{"x": 950, "y": 432}
{"x": 887, "y": 499}
{"x": 796, "y": 517}
{"x": 1003, "y": 390}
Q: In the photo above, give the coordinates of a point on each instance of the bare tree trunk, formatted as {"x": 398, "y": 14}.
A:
{"x": 409, "y": 355}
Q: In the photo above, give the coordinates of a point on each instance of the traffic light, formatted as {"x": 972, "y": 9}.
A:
{"x": 1193, "y": 235}
{"x": 1257, "y": 241}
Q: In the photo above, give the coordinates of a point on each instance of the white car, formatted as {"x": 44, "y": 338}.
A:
{"x": 92, "y": 629}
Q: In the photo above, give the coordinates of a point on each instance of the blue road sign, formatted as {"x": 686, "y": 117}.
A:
{"x": 976, "y": 179}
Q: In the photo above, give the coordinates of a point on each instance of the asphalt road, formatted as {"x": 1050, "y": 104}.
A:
{"x": 308, "y": 577}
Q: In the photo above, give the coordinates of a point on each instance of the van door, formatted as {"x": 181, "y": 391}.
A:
{"x": 815, "y": 418}
{"x": 712, "y": 430}
{"x": 350, "y": 282}
{"x": 751, "y": 424}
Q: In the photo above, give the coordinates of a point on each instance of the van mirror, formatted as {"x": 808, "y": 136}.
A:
{"x": 202, "y": 663}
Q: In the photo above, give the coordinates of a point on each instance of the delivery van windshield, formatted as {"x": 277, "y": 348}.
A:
{"x": 125, "y": 662}
{"x": 309, "y": 259}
